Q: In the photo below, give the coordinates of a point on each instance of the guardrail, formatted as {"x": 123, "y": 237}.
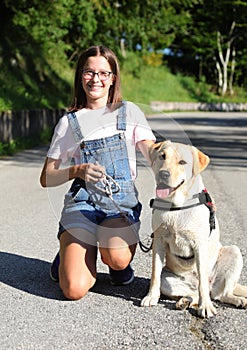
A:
{"x": 159, "y": 106}
{"x": 26, "y": 124}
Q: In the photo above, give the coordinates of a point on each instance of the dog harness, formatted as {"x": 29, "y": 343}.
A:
{"x": 198, "y": 199}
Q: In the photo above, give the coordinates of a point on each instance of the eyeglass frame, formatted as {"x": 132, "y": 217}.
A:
{"x": 96, "y": 73}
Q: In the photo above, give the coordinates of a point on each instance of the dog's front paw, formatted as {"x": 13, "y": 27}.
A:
{"x": 206, "y": 310}
{"x": 150, "y": 300}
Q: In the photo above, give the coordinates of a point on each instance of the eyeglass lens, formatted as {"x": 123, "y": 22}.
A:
{"x": 89, "y": 74}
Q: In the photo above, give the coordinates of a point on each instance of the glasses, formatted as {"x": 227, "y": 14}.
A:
{"x": 89, "y": 74}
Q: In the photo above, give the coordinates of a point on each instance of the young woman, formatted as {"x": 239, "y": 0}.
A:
{"x": 101, "y": 210}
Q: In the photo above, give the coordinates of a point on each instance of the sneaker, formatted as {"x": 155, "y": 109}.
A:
{"x": 122, "y": 277}
{"x": 54, "y": 268}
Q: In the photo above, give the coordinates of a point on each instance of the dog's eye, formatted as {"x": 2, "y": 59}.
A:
{"x": 163, "y": 156}
{"x": 182, "y": 162}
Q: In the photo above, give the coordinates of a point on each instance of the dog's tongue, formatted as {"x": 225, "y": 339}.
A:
{"x": 162, "y": 192}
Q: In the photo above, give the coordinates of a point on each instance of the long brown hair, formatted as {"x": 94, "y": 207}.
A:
{"x": 79, "y": 99}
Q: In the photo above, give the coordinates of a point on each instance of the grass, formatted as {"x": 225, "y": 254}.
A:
{"x": 34, "y": 83}
{"x": 153, "y": 85}
{"x": 159, "y": 84}
{"x": 140, "y": 83}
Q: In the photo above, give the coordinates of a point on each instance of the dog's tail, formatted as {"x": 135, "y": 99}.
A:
{"x": 240, "y": 291}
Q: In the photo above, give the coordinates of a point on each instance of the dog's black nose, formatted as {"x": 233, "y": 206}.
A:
{"x": 164, "y": 174}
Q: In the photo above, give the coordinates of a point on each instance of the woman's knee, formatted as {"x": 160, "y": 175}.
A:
{"x": 75, "y": 290}
{"x": 117, "y": 259}
{"x": 116, "y": 263}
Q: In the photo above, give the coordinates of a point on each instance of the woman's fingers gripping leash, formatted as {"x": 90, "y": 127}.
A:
{"x": 94, "y": 172}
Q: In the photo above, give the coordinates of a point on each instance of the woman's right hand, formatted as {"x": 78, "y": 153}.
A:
{"x": 52, "y": 176}
{"x": 91, "y": 172}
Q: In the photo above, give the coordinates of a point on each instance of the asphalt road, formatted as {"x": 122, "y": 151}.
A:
{"x": 34, "y": 314}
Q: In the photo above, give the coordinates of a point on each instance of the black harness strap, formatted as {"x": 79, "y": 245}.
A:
{"x": 209, "y": 205}
{"x": 202, "y": 197}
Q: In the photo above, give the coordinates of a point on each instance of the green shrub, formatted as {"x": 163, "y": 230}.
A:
{"x": 153, "y": 59}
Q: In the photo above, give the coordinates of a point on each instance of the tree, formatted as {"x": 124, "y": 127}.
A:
{"x": 141, "y": 25}
{"x": 216, "y": 39}
{"x": 41, "y": 40}
{"x": 38, "y": 40}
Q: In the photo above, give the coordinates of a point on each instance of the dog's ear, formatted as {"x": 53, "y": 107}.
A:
{"x": 152, "y": 150}
{"x": 201, "y": 161}
{"x": 155, "y": 148}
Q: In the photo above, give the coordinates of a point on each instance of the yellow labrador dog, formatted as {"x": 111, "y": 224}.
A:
{"x": 189, "y": 262}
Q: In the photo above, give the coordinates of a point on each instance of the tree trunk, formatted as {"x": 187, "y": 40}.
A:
{"x": 232, "y": 71}
{"x": 220, "y": 76}
{"x": 122, "y": 47}
{"x": 222, "y": 62}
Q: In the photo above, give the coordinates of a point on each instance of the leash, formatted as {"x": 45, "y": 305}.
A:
{"x": 110, "y": 186}
{"x": 145, "y": 248}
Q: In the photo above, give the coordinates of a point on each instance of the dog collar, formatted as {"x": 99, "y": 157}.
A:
{"x": 198, "y": 199}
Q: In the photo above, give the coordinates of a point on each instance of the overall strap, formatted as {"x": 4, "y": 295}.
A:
{"x": 76, "y": 130}
{"x": 121, "y": 118}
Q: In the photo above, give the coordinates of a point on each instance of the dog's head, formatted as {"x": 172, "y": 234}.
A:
{"x": 174, "y": 165}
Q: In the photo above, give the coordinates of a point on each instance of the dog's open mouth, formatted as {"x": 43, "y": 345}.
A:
{"x": 163, "y": 191}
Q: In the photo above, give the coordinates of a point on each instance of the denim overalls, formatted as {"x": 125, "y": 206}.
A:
{"x": 110, "y": 152}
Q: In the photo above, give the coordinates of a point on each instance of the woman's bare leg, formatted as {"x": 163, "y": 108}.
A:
{"x": 77, "y": 269}
{"x": 117, "y": 243}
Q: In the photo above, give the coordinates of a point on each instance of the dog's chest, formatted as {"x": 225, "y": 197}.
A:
{"x": 180, "y": 229}
{"x": 181, "y": 226}
{"x": 173, "y": 220}
{"x": 179, "y": 237}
